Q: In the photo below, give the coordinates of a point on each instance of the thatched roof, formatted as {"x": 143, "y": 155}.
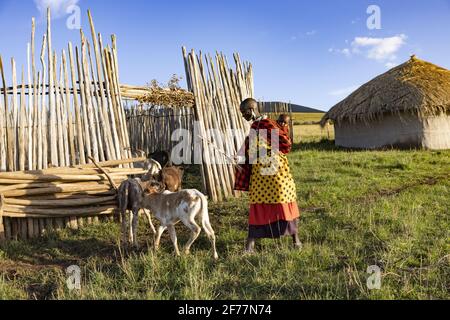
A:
{"x": 165, "y": 97}
{"x": 417, "y": 87}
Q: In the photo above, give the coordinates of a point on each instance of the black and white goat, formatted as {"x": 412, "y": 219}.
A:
{"x": 130, "y": 195}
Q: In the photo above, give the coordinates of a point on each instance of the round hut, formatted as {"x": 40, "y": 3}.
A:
{"x": 406, "y": 107}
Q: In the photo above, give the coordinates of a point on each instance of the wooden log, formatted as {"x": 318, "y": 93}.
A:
{"x": 62, "y": 117}
{"x": 58, "y": 116}
{"x": 35, "y": 93}
{"x": 96, "y": 107}
{"x": 111, "y": 181}
{"x": 53, "y": 214}
{"x": 21, "y": 125}
{"x": 59, "y": 177}
{"x": 30, "y": 228}
{"x": 70, "y": 196}
{"x": 5, "y": 179}
{"x": 43, "y": 146}
{"x": 73, "y": 223}
{"x": 14, "y": 229}
{"x": 78, "y": 123}
{"x": 80, "y": 222}
{"x": 14, "y": 124}
{"x": 56, "y": 189}
{"x": 29, "y": 126}
{"x": 59, "y": 224}
{"x": 23, "y": 229}
{"x": 87, "y": 87}
{"x": 51, "y": 94}
{"x": 116, "y": 106}
{"x": 68, "y": 111}
{"x": 8, "y": 230}
{"x": 2, "y": 224}
{"x": 67, "y": 223}
{"x": 82, "y": 84}
{"x": 4, "y": 122}
{"x": 2, "y": 137}
{"x": 48, "y": 222}
{"x": 115, "y": 70}
{"x": 42, "y": 226}
{"x": 36, "y": 228}
{"x": 60, "y": 203}
{"x": 103, "y": 97}
{"x": 9, "y": 161}
{"x": 199, "y": 94}
{"x": 110, "y": 108}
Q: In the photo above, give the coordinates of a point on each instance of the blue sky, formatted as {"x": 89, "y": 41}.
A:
{"x": 308, "y": 52}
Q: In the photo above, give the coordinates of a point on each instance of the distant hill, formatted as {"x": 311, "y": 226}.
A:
{"x": 302, "y": 109}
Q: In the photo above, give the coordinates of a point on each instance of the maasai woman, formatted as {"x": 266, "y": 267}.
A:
{"x": 266, "y": 175}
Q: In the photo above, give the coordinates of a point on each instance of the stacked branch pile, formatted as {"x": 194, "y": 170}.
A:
{"x": 58, "y": 115}
{"x": 218, "y": 92}
{"x": 35, "y": 202}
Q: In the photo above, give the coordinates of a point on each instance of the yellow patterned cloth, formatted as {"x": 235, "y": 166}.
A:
{"x": 271, "y": 181}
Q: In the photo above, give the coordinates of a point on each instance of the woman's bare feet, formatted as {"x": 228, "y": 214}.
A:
{"x": 297, "y": 243}
{"x": 250, "y": 246}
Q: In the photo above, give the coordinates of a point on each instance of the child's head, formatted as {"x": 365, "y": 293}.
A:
{"x": 284, "y": 120}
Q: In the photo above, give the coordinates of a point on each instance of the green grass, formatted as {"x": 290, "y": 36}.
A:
{"x": 389, "y": 209}
{"x": 307, "y": 117}
{"x": 306, "y": 132}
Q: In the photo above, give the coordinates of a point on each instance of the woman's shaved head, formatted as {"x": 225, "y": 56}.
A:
{"x": 249, "y": 103}
{"x": 249, "y": 109}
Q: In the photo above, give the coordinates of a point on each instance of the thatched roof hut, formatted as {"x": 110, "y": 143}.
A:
{"x": 408, "y": 106}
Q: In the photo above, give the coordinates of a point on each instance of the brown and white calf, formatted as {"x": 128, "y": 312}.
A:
{"x": 172, "y": 207}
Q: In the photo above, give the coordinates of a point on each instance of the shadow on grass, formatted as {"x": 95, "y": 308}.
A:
{"x": 55, "y": 251}
{"x": 322, "y": 145}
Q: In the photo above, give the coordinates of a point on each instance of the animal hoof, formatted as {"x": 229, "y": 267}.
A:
{"x": 249, "y": 252}
{"x": 187, "y": 252}
{"x": 216, "y": 256}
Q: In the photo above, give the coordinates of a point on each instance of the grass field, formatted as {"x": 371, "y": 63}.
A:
{"x": 306, "y": 127}
{"x": 389, "y": 209}
{"x": 307, "y": 117}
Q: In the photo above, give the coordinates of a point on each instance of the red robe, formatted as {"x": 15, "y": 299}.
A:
{"x": 268, "y": 220}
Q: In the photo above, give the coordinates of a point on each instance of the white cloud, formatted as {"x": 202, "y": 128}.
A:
{"x": 383, "y": 50}
{"x": 343, "y": 92}
{"x": 58, "y": 7}
{"x": 379, "y": 49}
{"x": 311, "y": 33}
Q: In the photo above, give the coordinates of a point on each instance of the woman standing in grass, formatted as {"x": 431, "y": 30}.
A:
{"x": 267, "y": 177}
